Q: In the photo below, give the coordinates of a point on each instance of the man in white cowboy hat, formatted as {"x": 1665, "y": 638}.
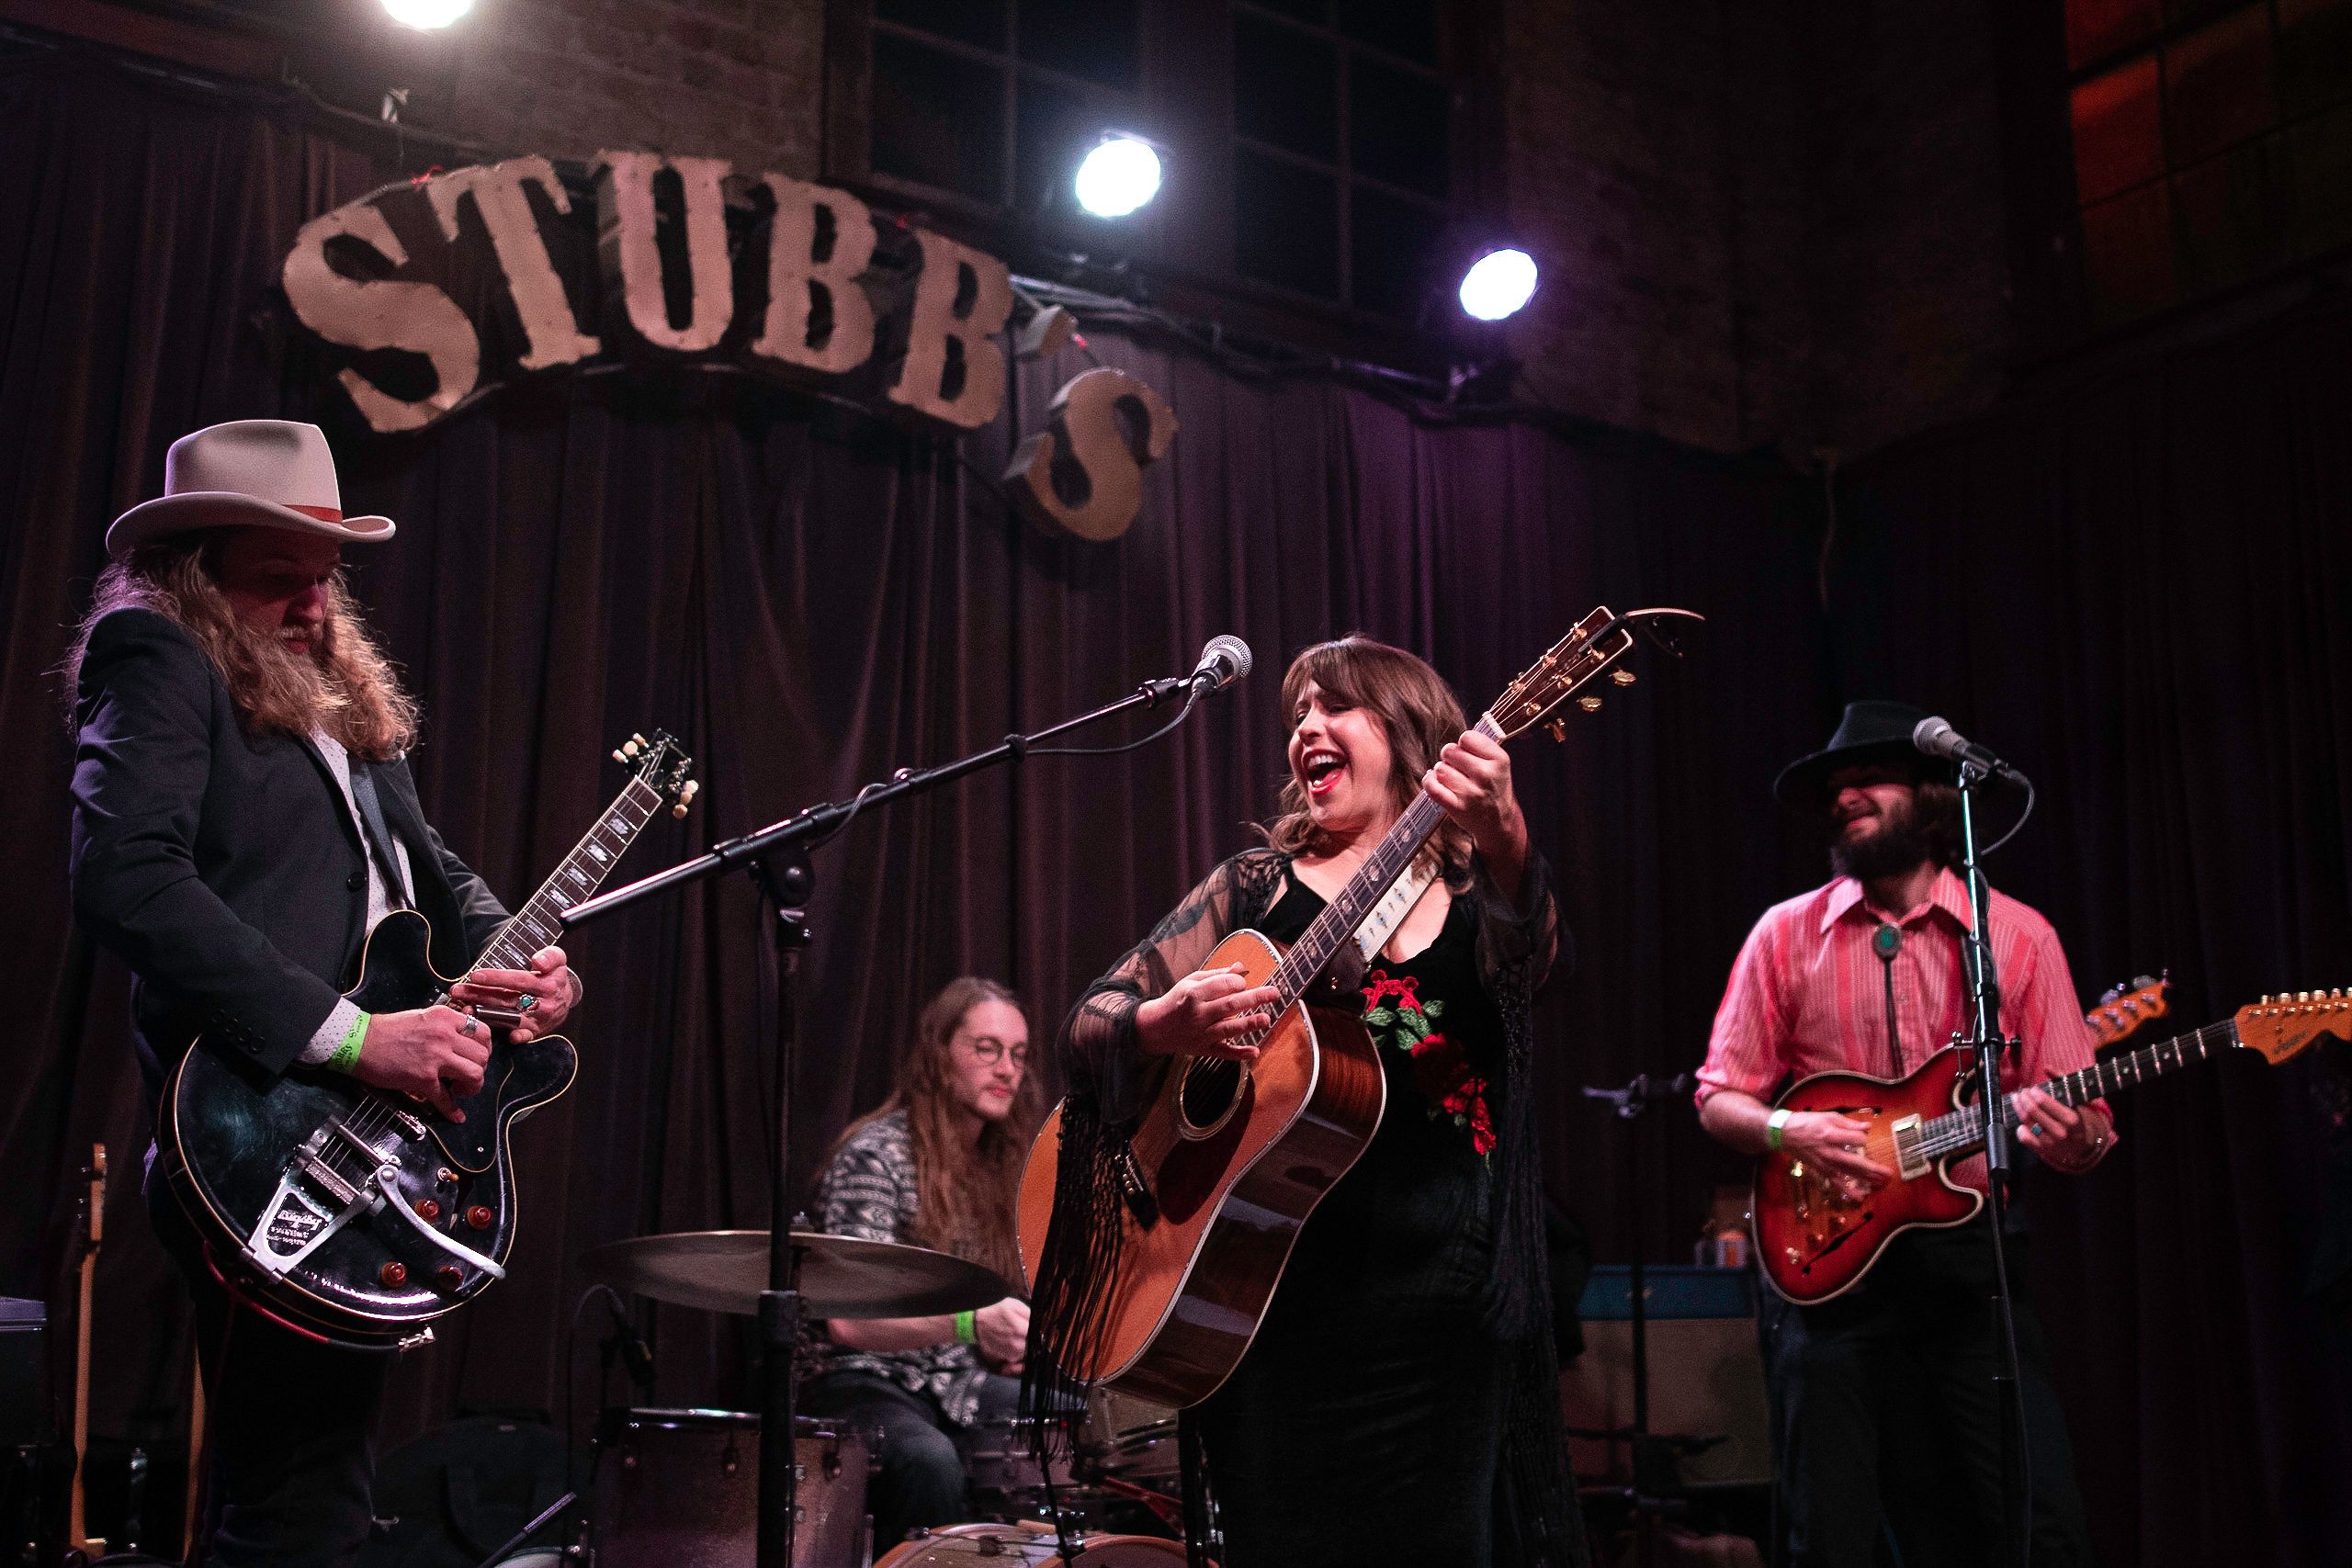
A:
{"x": 1881, "y": 1394}
{"x": 242, "y": 815}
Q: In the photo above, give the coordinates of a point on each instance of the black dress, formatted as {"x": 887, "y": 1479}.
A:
{"x": 1364, "y": 1422}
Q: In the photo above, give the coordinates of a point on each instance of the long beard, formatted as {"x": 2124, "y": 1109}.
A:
{"x": 1899, "y": 845}
{"x": 302, "y": 681}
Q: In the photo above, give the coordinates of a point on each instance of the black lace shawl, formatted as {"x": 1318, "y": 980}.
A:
{"x": 1520, "y": 944}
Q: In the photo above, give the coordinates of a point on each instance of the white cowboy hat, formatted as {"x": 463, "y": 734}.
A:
{"x": 270, "y": 473}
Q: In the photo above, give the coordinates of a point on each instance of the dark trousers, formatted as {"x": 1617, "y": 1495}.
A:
{"x": 1886, "y": 1418}
{"x": 289, "y": 1427}
{"x": 919, "y": 1480}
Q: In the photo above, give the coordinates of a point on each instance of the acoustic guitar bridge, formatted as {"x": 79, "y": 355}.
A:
{"x": 1133, "y": 1190}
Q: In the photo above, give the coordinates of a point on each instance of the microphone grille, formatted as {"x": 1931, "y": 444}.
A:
{"x": 1930, "y": 735}
{"x": 1233, "y": 649}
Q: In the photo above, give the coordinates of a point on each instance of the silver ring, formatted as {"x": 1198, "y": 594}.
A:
{"x": 467, "y": 1027}
{"x": 2039, "y": 1131}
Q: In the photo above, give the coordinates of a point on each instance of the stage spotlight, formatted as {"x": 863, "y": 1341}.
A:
{"x": 427, "y": 16}
{"x": 1119, "y": 176}
{"x": 1498, "y": 284}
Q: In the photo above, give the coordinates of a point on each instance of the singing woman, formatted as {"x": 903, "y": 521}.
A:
{"x": 1399, "y": 1402}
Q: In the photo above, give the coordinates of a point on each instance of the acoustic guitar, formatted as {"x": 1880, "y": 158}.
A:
{"x": 1816, "y": 1240}
{"x": 356, "y": 1216}
{"x": 1229, "y": 1160}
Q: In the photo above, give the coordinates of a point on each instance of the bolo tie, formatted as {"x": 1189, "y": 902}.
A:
{"x": 1886, "y": 941}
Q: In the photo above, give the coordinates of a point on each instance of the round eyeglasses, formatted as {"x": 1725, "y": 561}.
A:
{"x": 990, "y": 1050}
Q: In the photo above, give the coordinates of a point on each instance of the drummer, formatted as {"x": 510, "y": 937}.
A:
{"x": 938, "y": 1164}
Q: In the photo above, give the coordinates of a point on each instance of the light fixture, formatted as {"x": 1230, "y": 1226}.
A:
{"x": 427, "y": 16}
{"x": 1498, "y": 284}
{"x": 1120, "y": 175}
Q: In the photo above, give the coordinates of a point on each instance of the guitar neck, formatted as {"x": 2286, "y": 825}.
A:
{"x": 1957, "y": 1131}
{"x": 1330, "y": 930}
{"x": 536, "y": 923}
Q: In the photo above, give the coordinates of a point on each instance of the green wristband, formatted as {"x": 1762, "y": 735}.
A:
{"x": 346, "y": 1056}
{"x": 1778, "y": 1120}
{"x": 967, "y": 1331}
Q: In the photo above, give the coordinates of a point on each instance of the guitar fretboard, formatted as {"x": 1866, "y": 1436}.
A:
{"x": 1959, "y": 1130}
{"x": 536, "y": 923}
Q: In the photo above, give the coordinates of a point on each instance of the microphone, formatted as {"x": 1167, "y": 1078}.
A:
{"x": 1938, "y": 739}
{"x": 637, "y": 1356}
{"x": 1224, "y": 660}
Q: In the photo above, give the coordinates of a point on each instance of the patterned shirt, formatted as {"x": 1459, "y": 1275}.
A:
{"x": 869, "y": 1192}
{"x": 1808, "y": 994}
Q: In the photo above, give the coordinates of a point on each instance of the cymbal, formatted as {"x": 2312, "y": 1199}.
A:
{"x": 840, "y": 1276}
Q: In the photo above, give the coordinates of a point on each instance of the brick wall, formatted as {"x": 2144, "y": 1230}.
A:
{"x": 734, "y": 79}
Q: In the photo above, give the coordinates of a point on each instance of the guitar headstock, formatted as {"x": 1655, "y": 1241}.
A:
{"x": 661, "y": 765}
{"x": 1593, "y": 649}
{"x": 2282, "y": 1025}
{"x": 2124, "y": 1011}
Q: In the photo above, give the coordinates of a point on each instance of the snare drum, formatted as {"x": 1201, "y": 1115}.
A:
{"x": 681, "y": 1489}
{"x": 1130, "y": 1439}
{"x": 1029, "y": 1545}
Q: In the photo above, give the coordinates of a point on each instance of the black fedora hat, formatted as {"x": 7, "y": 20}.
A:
{"x": 1871, "y": 731}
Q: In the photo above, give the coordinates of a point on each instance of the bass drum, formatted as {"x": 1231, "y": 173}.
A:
{"x": 681, "y": 1489}
{"x": 1032, "y": 1545}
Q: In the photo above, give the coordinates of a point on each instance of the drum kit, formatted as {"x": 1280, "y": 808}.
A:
{"x": 680, "y": 1488}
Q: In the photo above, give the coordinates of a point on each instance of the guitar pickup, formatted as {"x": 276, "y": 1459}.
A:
{"x": 1133, "y": 1190}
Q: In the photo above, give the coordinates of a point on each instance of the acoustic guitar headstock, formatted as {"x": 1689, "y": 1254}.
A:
{"x": 2282, "y": 1025}
{"x": 1594, "y": 648}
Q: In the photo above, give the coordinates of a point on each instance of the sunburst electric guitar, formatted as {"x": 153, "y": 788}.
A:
{"x": 1229, "y": 1160}
{"x": 1816, "y": 1240}
{"x": 357, "y": 1215}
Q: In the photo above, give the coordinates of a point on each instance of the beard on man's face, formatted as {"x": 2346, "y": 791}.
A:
{"x": 1899, "y": 845}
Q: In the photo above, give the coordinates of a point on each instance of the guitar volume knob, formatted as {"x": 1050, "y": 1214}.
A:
{"x": 479, "y": 1216}
{"x": 394, "y": 1274}
{"x": 427, "y": 1209}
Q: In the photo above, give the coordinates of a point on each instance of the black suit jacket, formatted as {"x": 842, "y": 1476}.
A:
{"x": 223, "y": 865}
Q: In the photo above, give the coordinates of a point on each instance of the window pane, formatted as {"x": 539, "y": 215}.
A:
{"x": 1285, "y": 88}
{"x": 1396, "y": 128}
{"x": 1407, "y": 28}
{"x": 977, "y": 22}
{"x": 1053, "y": 127}
{"x": 1092, "y": 38}
{"x": 1394, "y": 244}
{"x": 1285, "y": 224}
{"x": 939, "y": 118}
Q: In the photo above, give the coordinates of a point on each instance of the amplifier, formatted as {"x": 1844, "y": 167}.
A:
{"x": 25, "y": 1417}
{"x": 1706, "y": 1378}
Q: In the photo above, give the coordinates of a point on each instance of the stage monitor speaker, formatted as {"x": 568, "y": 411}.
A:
{"x": 1706, "y": 1377}
{"x": 25, "y": 1417}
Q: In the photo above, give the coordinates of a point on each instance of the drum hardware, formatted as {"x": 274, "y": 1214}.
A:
{"x": 839, "y": 1276}
{"x": 684, "y": 1490}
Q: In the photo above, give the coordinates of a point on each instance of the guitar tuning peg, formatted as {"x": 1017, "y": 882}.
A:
{"x": 1559, "y": 729}
{"x": 1621, "y": 677}
{"x": 1589, "y": 705}
{"x": 686, "y": 793}
{"x": 618, "y": 755}
{"x": 629, "y": 748}
{"x": 633, "y": 734}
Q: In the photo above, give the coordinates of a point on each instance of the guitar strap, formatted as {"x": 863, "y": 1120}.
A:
{"x": 1386, "y": 917}
{"x": 379, "y": 833}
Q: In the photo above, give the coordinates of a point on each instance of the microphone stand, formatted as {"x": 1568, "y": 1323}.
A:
{"x": 784, "y": 891}
{"x": 1654, "y": 1473}
{"x": 1984, "y": 998}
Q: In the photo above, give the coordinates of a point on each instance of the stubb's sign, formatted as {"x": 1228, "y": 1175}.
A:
{"x": 439, "y": 290}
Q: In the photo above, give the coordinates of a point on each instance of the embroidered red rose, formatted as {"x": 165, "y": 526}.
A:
{"x": 1482, "y": 1126}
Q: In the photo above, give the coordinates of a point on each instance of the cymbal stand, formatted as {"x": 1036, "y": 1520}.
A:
{"x": 784, "y": 890}
{"x": 1653, "y": 1458}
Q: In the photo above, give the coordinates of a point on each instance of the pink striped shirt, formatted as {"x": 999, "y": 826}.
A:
{"x": 1808, "y": 993}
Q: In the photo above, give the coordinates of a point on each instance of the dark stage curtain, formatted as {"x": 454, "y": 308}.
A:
{"x": 810, "y": 602}
{"x": 2127, "y": 582}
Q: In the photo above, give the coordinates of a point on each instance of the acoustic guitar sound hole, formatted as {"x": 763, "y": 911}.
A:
{"x": 1211, "y": 1085}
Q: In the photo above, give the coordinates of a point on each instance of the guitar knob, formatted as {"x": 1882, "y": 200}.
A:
{"x": 427, "y": 1209}
{"x": 479, "y": 1216}
{"x": 448, "y": 1276}
{"x": 394, "y": 1274}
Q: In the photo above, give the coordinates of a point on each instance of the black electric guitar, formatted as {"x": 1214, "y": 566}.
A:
{"x": 357, "y": 1215}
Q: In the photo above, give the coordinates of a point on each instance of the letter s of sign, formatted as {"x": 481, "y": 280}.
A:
{"x": 1089, "y": 481}
{"x": 381, "y": 313}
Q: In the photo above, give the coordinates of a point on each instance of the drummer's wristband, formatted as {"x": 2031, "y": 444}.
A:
{"x": 1778, "y": 1120}
{"x": 966, "y": 1333}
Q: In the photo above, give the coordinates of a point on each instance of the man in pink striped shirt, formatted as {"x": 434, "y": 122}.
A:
{"x": 1892, "y": 1380}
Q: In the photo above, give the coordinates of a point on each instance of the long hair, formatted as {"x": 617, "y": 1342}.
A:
{"x": 1418, "y": 712}
{"x": 965, "y": 1197}
{"x": 352, "y": 691}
